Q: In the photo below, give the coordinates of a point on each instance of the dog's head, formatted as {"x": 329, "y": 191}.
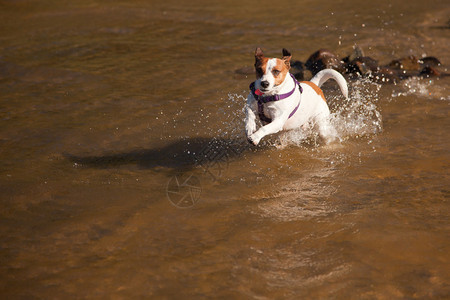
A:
{"x": 271, "y": 72}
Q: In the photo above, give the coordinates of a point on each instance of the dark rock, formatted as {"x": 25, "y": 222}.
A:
{"x": 385, "y": 75}
{"x": 299, "y": 70}
{"x": 362, "y": 66}
{"x": 429, "y": 71}
{"x": 356, "y": 53}
{"x": 430, "y": 61}
{"x": 324, "y": 59}
{"x": 410, "y": 63}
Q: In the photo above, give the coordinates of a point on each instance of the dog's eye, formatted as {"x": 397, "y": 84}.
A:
{"x": 276, "y": 73}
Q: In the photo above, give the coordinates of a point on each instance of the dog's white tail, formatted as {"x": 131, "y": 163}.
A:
{"x": 326, "y": 74}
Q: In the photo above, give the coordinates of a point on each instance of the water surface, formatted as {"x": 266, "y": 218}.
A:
{"x": 103, "y": 106}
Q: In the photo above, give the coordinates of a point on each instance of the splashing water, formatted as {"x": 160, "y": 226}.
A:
{"x": 358, "y": 116}
{"x": 233, "y": 121}
{"x": 422, "y": 88}
{"x": 412, "y": 86}
{"x": 355, "y": 117}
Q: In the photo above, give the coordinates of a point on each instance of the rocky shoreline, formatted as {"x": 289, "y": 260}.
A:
{"x": 357, "y": 65}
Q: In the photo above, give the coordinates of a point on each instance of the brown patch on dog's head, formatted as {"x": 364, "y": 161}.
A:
{"x": 260, "y": 63}
{"x": 278, "y": 67}
{"x": 281, "y": 69}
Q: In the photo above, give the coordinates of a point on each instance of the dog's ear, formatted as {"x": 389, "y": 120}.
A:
{"x": 287, "y": 57}
{"x": 286, "y": 52}
{"x": 258, "y": 54}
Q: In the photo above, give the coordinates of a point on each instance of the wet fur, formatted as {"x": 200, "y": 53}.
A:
{"x": 272, "y": 78}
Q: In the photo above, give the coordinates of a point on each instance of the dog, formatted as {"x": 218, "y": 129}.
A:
{"x": 282, "y": 103}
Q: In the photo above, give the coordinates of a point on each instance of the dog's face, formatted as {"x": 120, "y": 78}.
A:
{"x": 271, "y": 72}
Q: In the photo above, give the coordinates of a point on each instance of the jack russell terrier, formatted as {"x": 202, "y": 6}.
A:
{"x": 282, "y": 103}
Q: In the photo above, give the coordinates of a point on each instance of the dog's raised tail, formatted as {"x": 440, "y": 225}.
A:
{"x": 326, "y": 74}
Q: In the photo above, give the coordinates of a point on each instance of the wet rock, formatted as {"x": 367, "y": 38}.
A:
{"x": 356, "y": 64}
{"x": 299, "y": 70}
{"x": 324, "y": 59}
{"x": 368, "y": 67}
{"x": 297, "y": 66}
{"x": 430, "y": 61}
{"x": 411, "y": 66}
{"x": 385, "y": 75}
{"x": 395, "y": 71}
{"x": 356, "y": 53}
{"x": 410, "y": 63}
{"x": 363, "y": 66}
{"x": 429, "y": 71}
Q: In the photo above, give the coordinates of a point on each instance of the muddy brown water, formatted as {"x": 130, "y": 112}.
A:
{"x": 124, "y": 172}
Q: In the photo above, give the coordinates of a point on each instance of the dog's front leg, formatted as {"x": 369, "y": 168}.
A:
{"x": 271, "y": 128}
{"x": 250, "y": 118}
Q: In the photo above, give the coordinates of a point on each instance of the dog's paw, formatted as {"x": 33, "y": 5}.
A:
{"x": 252, "y": 139}
{"x": 250, "y": 129}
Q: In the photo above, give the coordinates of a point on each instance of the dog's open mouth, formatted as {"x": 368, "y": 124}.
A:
{"x": 260, "y": 92}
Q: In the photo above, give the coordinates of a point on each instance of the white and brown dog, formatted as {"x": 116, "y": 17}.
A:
{"x": 282, "y": 103}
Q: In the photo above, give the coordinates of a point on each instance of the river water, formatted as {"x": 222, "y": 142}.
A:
{"x": 124, "y": 170}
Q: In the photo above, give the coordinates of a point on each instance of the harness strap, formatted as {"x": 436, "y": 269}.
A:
{"x": 264, "y": 99}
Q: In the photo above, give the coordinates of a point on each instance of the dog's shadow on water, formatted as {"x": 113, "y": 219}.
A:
{"x": 180, "y": 155}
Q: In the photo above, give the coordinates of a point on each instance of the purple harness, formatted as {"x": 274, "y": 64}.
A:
{"x": 264, "y": 99}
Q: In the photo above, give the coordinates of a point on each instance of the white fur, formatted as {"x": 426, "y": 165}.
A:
{"x": 312, "y": 109}
{"x": 326, "y": 74}
{"x": 268, "y": 76}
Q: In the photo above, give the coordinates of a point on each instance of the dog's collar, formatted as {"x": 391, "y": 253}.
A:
{"x": 276, "y": 97}
{"x": 264, "y": 99}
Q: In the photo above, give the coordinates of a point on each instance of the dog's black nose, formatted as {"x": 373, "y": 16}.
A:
{"x": 265, "y": 84}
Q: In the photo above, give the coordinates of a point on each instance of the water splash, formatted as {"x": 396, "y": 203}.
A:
{"x": 421, "y": 88}
{"x": 412, "y": 86}
{"x": 232, "y": 118}
{"x": 356, "y": 117}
